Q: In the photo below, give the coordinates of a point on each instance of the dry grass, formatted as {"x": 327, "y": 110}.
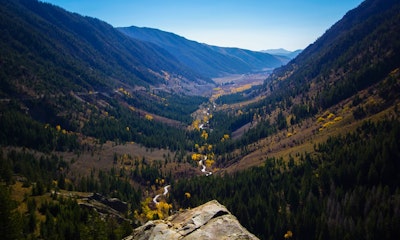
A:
{"x": 102, "y": 158}
{"x": 18, "y": 194}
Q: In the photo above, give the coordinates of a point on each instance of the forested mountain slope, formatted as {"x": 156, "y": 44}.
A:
{"x": 211, "y": 61}
{"x": 47, "y": 49}
{"x": 60, "y": 68}
{"x": 348, "y": 189}
{"x": 358, "y": 51}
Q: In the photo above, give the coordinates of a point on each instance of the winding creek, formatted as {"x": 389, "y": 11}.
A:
{"x": 203, "y": 170}
{"x": 155, "y": 199}
{"x": 203, "y": 167}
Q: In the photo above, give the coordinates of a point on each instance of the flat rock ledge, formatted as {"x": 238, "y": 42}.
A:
{"x": 208, "y": 221}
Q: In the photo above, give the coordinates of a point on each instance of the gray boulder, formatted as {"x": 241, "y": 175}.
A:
{"x": 208, "y": 221}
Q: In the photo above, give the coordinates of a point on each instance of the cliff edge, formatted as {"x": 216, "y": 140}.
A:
{"x": 208, "y": 221}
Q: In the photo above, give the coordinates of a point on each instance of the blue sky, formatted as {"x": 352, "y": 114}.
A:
{"x": 249, "y": 24}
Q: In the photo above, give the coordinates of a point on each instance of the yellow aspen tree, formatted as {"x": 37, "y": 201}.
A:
{"x": 148, "y": 117}
{"x": 209, "y": 162}
{"x": 163, "y": 209}
{"x": 209, "y": 148}
{"x": 204, "y": 134}
{"x": 205, "y": 119}
{"x": 196, "y": 157}
{"x": 195, "y": 124}
{"x": 288, "y": 234}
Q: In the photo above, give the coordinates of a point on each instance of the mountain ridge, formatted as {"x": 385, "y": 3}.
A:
{"x": 89, "y": 47}
{"x": 211, "y": 61}
{"x": 283, "y": 52}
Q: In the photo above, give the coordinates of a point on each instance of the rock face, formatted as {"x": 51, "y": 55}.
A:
{"x": 106, "y": 206}
{"x": 113, "y": 203}
{"x": 208, "y": 221}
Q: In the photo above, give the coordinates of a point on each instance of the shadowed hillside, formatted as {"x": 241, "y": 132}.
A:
{"x": 55, "y": 49}
{"x": 208, "y": 60}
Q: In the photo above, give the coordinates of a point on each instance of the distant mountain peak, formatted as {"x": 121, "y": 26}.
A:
{"x": 283, "y": 52}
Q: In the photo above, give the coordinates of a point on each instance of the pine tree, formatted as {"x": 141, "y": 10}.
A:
{"x": 10, "y": 224}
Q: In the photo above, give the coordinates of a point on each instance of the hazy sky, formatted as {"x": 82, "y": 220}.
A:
{"x": 249, "y": 24}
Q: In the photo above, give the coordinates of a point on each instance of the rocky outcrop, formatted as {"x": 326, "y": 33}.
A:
{"x": 114, "y": 203}
{"x": 208, "y": 221}
{"x": 106, "y": 207}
